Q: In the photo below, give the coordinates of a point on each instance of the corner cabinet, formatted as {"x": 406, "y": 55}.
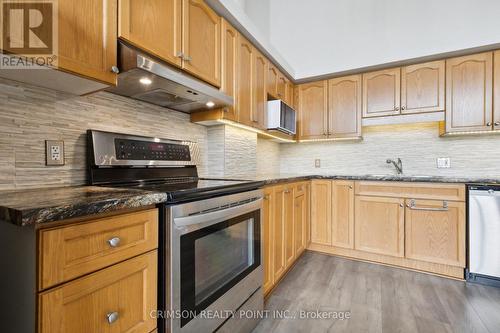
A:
{"x": 154, "y": 26}
{"x": 381, "y": 93}
{"x": 344, "y": 107}
{"x": 88, "y": 52}
{"x": 469, "y": 93}
{"x": 312, "y": 99}
{"x": 201, "y": 31}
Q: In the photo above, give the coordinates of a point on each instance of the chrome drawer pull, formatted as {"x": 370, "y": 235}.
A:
{"x": 112, "y": 317}
{"x": 412, "y": 205}
{"x": 114, "y": 242}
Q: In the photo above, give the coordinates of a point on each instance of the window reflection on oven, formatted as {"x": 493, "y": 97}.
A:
{"x": 215, "y": 258}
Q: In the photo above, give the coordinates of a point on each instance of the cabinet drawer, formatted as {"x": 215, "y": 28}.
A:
{"x": 117, "y": 299}
{"x": 70, "y": 252}
{"x": 452, "y": 192}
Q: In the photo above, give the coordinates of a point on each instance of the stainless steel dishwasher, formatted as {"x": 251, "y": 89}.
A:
{"x": 484, "y": 234}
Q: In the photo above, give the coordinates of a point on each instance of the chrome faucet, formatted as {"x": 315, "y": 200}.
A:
{"x": 398, "y": 165}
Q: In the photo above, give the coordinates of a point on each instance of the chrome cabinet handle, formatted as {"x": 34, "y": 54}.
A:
{"x": 350, "y": 187}
{"x": 401, "y": 205}
{"x": 112, "y": 317}
{"x": 187, "y": 58}
{"x": 397, "y": 108}
{"x": 412, "y": 205}
{"x": 497, "y": 123}
{"x": 114, "y": 242}
{"x": 180, "y": 55}
{"x": 115, "y": 69}
{"x": 488, "y": 124}
{"x": 403, "y": 107}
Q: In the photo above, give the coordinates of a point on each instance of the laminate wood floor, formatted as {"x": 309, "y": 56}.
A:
{"x": 379, "y": 298}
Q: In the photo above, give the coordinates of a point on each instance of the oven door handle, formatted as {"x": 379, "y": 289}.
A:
{"x": 216, "y": 216}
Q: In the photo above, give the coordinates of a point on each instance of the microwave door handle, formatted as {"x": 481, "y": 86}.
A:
{"x": 216, "y": 216}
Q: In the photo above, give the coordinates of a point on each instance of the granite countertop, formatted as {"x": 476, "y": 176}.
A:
{"x": 270, "y": 179}
{"x": 33, "y": 206}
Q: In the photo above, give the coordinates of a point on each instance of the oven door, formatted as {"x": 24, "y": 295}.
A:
{"x": 216, "y": 261}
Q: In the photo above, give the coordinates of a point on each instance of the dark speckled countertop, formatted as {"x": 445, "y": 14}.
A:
{"x": 27, "y": 207}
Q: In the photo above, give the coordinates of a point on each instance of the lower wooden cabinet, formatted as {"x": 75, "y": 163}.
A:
{"x": 285, "y": 228}
{"x": 435, "y": 231}
{"x": 379, "y": 226}
{"x": 116, "y": 299}
{"x": 419, "y": 226}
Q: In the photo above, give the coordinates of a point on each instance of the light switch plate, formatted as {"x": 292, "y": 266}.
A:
{"x": 443, "y": 163}
{"x": 317, "y": 163}
{"x": 54, "y": 152}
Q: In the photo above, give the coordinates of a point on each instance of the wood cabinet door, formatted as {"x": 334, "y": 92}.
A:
{"x": 422, "y": 87}
{"x": 300, "y": 220}
{"x": 201, "y": 32}
{"x": 496, "y": 90}
{"x": 379, "y": 225}
{"x": 282, "y": 86}
{"x": 259, "y": 90}
{"x": 272, "y": 81}
{"x": 245, "y": 86}
{"x": 321, "y": 212}
{"x": 153, "y": 26}
{"x": 289, "y": 226}
{"x": 344, "y": 107}
{"x": 313, "y": 110}
{"x": 87, "y": 38}
{"x": 83, "y": 305}
{"x": 289, "y": 93}
{"x": 469, "y": 93}
{"x": 435, "y": 231}
{"x": 278, "y": 232}
{"x": 343, "y": 214}
{"x": 268, "y": 238}
{"x": 381, "y": 93}
{"x": 229, "y": 51}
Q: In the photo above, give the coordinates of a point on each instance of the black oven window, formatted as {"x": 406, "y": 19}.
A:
{"x": 216, "y": 258}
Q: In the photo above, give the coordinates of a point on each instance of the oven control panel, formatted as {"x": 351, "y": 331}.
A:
{"x": 127, "y": 149}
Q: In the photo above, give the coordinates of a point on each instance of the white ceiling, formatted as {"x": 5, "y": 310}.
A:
{"x": 317, "y": 37}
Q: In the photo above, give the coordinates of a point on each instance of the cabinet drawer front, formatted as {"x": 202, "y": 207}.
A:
{"x": 124, "y": 294}
{"x": 435, "y": 231}
{"x": 452, "y": 192}
{"x": 70, "y": 252}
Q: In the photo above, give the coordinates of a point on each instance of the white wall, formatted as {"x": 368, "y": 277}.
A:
{"x": 318, "y": 37}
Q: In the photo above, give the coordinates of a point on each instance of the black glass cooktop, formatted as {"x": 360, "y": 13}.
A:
{"x": 193, "y": 188}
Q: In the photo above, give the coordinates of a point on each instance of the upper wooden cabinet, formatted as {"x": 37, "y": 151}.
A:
{"x": 245, "y": 86}
{"x": 259, "y": 90}
{"x": 229, "y": 56}
{"x": 435, "y": 231}
{"x": 154, "y": 26}
{"x": 344, "y": 107}
{"x": 496, "y": 92}
{"x": 343, "y": 214}
{"x": 469, "y": 93}
{"x": 282, "y": 86}
{"x": 381, "y": 93}
{"x": 201, "y": 31}
{"x": 272, "y": 81}
{"x": 87, "y": 38}
{"x": 312, "y": 105}
{"x": 379, "y": 226}
{"x": 422, "y": 87}
{"x": 290, "y": 94}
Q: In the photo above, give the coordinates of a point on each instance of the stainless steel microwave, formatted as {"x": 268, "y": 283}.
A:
{"x": 281, "y": 117}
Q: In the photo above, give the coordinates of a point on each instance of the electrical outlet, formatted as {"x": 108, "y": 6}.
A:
{"x": 54, "y": 150}
{"x": 443, "y": 163}
{"x": 317, "y": 163}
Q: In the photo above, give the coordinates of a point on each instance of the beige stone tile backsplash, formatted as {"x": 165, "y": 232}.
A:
{"x": 30, "y": 115}
{"x": 418, "y": 145}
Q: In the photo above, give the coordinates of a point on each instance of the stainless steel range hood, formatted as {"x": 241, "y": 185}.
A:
{"x": 144, "y": 78}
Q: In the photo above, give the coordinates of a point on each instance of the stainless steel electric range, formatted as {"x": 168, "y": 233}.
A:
{"x": 210, "y": 231}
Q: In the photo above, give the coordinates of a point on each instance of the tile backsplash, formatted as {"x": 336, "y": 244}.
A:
{"x": 30, "y": 115}
{"x": 418, "y": 145}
